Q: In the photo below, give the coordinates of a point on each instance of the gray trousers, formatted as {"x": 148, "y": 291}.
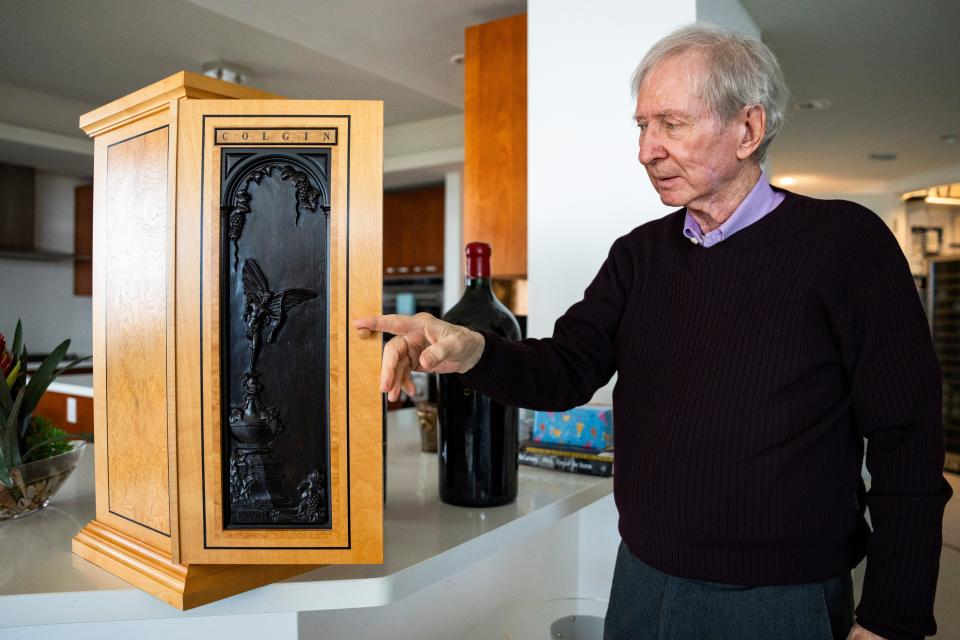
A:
{"x": 649, "y": 604}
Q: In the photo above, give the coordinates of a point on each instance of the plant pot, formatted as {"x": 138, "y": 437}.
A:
{"x": 34, "y": 483}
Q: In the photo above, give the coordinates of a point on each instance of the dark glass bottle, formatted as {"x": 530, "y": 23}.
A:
{"x": 477, "y": 443}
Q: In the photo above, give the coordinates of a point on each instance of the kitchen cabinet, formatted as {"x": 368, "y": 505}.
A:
{"x": 495, "y": 142}
{"x": 69, "y": 406}
{"x": 17, "y": 203}
{"x": 413, "y": 232}
{"x": 83, "y": 240}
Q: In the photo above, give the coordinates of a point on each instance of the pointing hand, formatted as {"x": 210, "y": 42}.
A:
{"x": 420, "y": 343}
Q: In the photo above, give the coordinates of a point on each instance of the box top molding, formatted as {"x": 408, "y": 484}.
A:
{"x": 183, "y": 84}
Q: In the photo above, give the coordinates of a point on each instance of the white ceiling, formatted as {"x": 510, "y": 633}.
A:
{"x": 98, "y": 50}
{"x": 408, "y": 41}
{"x": 891, "y": 69}
{"x": 889, "y": 66}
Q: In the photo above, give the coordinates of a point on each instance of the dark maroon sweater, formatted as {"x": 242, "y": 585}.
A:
{"x": 748, "y": 375}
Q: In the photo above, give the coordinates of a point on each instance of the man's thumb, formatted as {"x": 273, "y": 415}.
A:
{"x": 432, "y": 356}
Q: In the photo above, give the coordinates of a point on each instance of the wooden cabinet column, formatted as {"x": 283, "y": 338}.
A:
{"x": 495, "y": 142}
{"x": 237, "y": 415}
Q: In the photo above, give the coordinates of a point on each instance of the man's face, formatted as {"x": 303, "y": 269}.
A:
{"x": 690, "y": 158}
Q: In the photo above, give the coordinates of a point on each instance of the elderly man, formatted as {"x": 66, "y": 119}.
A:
{"x": 758, "y": 336}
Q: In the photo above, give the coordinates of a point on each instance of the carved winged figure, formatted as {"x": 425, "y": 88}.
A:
{"x": 264, "y": 307}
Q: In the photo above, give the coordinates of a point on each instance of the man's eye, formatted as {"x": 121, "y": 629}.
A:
{"x": 670, "y": 126}
{"x": 642, "y": 126}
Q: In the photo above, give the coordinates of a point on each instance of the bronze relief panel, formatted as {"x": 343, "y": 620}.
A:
{"x": 274, "y": 303}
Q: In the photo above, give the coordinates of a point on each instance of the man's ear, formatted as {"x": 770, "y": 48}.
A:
{"x": 754, "y": 123}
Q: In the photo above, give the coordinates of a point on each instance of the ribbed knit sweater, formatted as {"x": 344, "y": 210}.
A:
{"x": 748, "y": 375}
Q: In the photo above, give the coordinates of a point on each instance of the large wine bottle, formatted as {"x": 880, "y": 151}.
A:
{"x": 477, "y": 443}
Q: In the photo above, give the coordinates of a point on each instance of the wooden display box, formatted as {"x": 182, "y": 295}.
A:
{"x": 238, "y": 419}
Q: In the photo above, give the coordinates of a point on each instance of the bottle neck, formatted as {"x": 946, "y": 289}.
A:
{"x": 479, "y": 285}
{"x": 478, "y": 269}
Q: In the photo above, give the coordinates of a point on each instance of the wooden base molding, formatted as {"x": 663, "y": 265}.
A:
{"x": 181, "y": 586}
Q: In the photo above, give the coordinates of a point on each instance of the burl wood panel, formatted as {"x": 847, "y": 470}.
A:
{"x": 366, "y": 295}
{"x": 413, "y": 231}
{"x": 135, "y": 296}
{"x": 495, "y": 142}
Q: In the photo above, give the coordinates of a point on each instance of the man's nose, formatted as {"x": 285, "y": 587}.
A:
{"x": 650, "y": 148}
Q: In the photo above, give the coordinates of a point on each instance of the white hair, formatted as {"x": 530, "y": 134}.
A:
{"x": 738, "y": 71}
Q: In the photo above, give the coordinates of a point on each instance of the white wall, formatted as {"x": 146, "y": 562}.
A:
{"x": 41, "y": 293}
{"x": 453, "y": 259}
{"x": 585, "y": 185}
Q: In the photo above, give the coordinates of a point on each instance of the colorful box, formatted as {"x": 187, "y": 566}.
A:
{"x": 590, "y": 427}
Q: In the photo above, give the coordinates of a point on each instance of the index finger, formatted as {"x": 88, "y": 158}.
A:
{"x": 391, "y": 323}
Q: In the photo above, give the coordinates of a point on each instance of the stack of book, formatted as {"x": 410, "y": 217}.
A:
{"x": 578, "y": 441}
{"x": 567, "y": 458}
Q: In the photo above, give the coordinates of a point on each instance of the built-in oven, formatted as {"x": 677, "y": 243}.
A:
{"x": 412, "y": 295}
{"x": 407, "y": 296}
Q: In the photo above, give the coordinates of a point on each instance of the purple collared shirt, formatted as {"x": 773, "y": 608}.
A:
{"x": 761, "y": 200}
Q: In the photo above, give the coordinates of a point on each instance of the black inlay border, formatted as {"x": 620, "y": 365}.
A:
{"x": 166, "y": 338}
{"x": 302, "y": 143}
{"x": 203, "y": 480}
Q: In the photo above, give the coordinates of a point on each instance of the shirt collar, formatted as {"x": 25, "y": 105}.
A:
{"x": 761, "y": 200}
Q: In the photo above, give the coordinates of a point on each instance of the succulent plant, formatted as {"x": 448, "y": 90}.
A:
{"x": 20, "y": 439}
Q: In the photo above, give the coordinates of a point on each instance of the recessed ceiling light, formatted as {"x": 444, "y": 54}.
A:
{"x": 883, "y": 156}
{"x": 815, "y": 104}
{"x": 457, "y": 58}
{"x": 950, "y": 138}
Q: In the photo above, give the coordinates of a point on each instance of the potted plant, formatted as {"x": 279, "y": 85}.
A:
{"x": 35, "y": 456}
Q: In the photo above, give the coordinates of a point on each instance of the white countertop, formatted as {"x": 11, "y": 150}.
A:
{"x": 75, "y": 385}
{"x": 42, "y": 582}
